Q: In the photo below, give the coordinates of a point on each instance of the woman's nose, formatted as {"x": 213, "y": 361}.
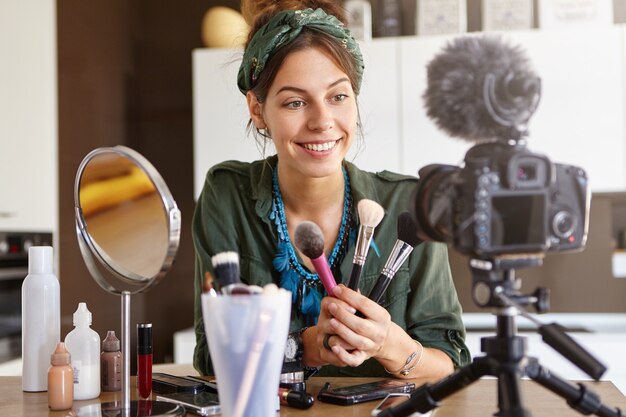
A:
{"x": 320, "y": 119}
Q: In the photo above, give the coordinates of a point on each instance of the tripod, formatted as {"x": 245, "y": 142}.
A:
{"x": 494, "y": 285}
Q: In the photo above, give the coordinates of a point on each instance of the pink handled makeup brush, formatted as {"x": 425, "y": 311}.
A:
{"x": 309, "y": 240}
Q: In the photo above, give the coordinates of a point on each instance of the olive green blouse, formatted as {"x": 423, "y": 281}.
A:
{"x": 232, "y": 214}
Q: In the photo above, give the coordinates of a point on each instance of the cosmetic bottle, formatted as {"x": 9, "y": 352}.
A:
{"x": 111, "y": 363}
{"x": 144, "y": 359}
{"x": 41, "y": 324}
{"x": 84, "y": 345}
{"x": 60, "y": 379}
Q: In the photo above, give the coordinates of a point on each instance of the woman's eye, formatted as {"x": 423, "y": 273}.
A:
{"x": 295, "y": 104}
{"x": 340, "y": 97}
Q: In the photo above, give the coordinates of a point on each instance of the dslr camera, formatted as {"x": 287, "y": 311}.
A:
{"x": 505, "y": 199}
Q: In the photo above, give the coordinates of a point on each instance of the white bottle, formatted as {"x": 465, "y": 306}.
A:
{"x": 41, "y": 323}
{"x": 83, "y": 343}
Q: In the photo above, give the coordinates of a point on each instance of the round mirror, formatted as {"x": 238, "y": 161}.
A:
{"x": 126, "y": 219}
{"x": 128, "y": 228}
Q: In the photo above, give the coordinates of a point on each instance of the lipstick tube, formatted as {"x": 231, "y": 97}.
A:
{"x": 144, "y": 359}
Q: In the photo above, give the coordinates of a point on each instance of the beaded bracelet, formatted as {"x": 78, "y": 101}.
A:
{"x": 408, "y": 364}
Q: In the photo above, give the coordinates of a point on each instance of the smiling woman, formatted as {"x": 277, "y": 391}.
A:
{"x": 301, "y": 74}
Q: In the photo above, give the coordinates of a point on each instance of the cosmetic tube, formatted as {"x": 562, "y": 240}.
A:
{"x": 144, "y": 359}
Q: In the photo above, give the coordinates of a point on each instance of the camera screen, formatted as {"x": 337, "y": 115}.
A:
{"x": 518, "y": 220}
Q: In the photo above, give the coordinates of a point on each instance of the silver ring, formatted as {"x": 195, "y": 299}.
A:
{"x": 325, "y": 343}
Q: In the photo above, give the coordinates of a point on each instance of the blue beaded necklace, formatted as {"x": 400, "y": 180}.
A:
{"x": 305, "y": 286}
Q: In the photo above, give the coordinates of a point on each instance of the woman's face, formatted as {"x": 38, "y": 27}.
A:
{"x": 310, "y": 112}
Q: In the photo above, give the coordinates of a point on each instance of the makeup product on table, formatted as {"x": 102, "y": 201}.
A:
{"x": 60, "y": 380}
{"x": 407, "y": 240}
{"x": 111, "y": 363}
{"x": 41, "y": 318}
{"x": 83, "y": 343}
{"x": 370, "y": 215}
{"x": 296, "y": 399}
{"x": 144, "y": 359}
{"x": 309, "y": 240}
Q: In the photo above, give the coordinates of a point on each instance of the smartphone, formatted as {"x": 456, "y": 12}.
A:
{"x": 354, "y": 394}
{"x": 203, "y": 403}
{"x": 394, "y": 399}
{"x": 166, "y": 384}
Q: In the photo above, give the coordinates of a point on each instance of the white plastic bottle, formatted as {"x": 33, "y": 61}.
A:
{"x": 41, "y": 323}
{"x": 83, "y": 343}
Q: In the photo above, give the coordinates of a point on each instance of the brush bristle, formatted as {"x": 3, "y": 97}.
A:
{"x": 407, "y": 230}
{"x": 370, "y": 212}
{"x": 226, "y": 266}
{"x": 309, "y": 239}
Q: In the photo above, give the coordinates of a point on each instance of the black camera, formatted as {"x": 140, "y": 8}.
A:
{"x": 504, "y": 200}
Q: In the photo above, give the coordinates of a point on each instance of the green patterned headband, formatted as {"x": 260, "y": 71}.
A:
{"x": 281, "y": 30}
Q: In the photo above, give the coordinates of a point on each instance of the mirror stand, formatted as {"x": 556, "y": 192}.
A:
{"x": 134, "y": 238}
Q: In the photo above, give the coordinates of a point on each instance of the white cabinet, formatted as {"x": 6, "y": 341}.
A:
{"x": 580, "y": 119}
{"x": 28, "y": 116}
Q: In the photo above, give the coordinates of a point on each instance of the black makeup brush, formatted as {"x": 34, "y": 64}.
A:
{"x": 370, "y": 215}
{"x": 226, "y": 268}
{"x": 407, "y": 240}
{"x": 309, "y": 240}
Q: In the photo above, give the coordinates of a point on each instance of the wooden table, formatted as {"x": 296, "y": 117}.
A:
{"x": 477, "y": 400}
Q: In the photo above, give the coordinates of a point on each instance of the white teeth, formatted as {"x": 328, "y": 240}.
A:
{"x": 317, "y": 147}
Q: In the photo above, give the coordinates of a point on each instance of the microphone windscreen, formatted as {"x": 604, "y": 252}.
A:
{"x": 309, "y": 239}
{"x": 407, "y": 229}
{"x": 455, "y": 95}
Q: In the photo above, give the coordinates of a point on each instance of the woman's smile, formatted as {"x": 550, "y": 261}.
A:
{"x": 320, "y": 147}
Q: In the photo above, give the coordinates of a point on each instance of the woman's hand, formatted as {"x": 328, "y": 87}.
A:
{"x": 354, "y": 339}
{"x": 326, "y": 333}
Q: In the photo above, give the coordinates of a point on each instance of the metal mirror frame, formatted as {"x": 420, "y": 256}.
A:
{"x": 91, "y": 252}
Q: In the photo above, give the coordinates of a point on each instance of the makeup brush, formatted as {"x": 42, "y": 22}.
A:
{"x": 370, "y": 215}
{"x": 226, "y": 268}
{"x": 407, "y": 240}
{"x": 310, "y": 241}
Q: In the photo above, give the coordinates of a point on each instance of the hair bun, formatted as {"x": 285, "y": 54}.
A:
{"x": 254, "y": 9}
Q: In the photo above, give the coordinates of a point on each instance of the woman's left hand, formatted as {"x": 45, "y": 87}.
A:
{"x": 367, "y": 334}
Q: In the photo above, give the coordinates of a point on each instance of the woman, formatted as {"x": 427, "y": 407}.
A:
{"x": 301, "y": 73}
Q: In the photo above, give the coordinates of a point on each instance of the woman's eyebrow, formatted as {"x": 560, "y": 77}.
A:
{"x": 302, "y": 91}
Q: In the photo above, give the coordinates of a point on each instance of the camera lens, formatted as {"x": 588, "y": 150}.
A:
{"x": 563, "y": 224}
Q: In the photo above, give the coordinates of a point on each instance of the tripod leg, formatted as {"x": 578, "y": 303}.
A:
{"x": 427, "y": 396}
{"x": 509, "y": 394}
{"x": 579, "y": 397}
